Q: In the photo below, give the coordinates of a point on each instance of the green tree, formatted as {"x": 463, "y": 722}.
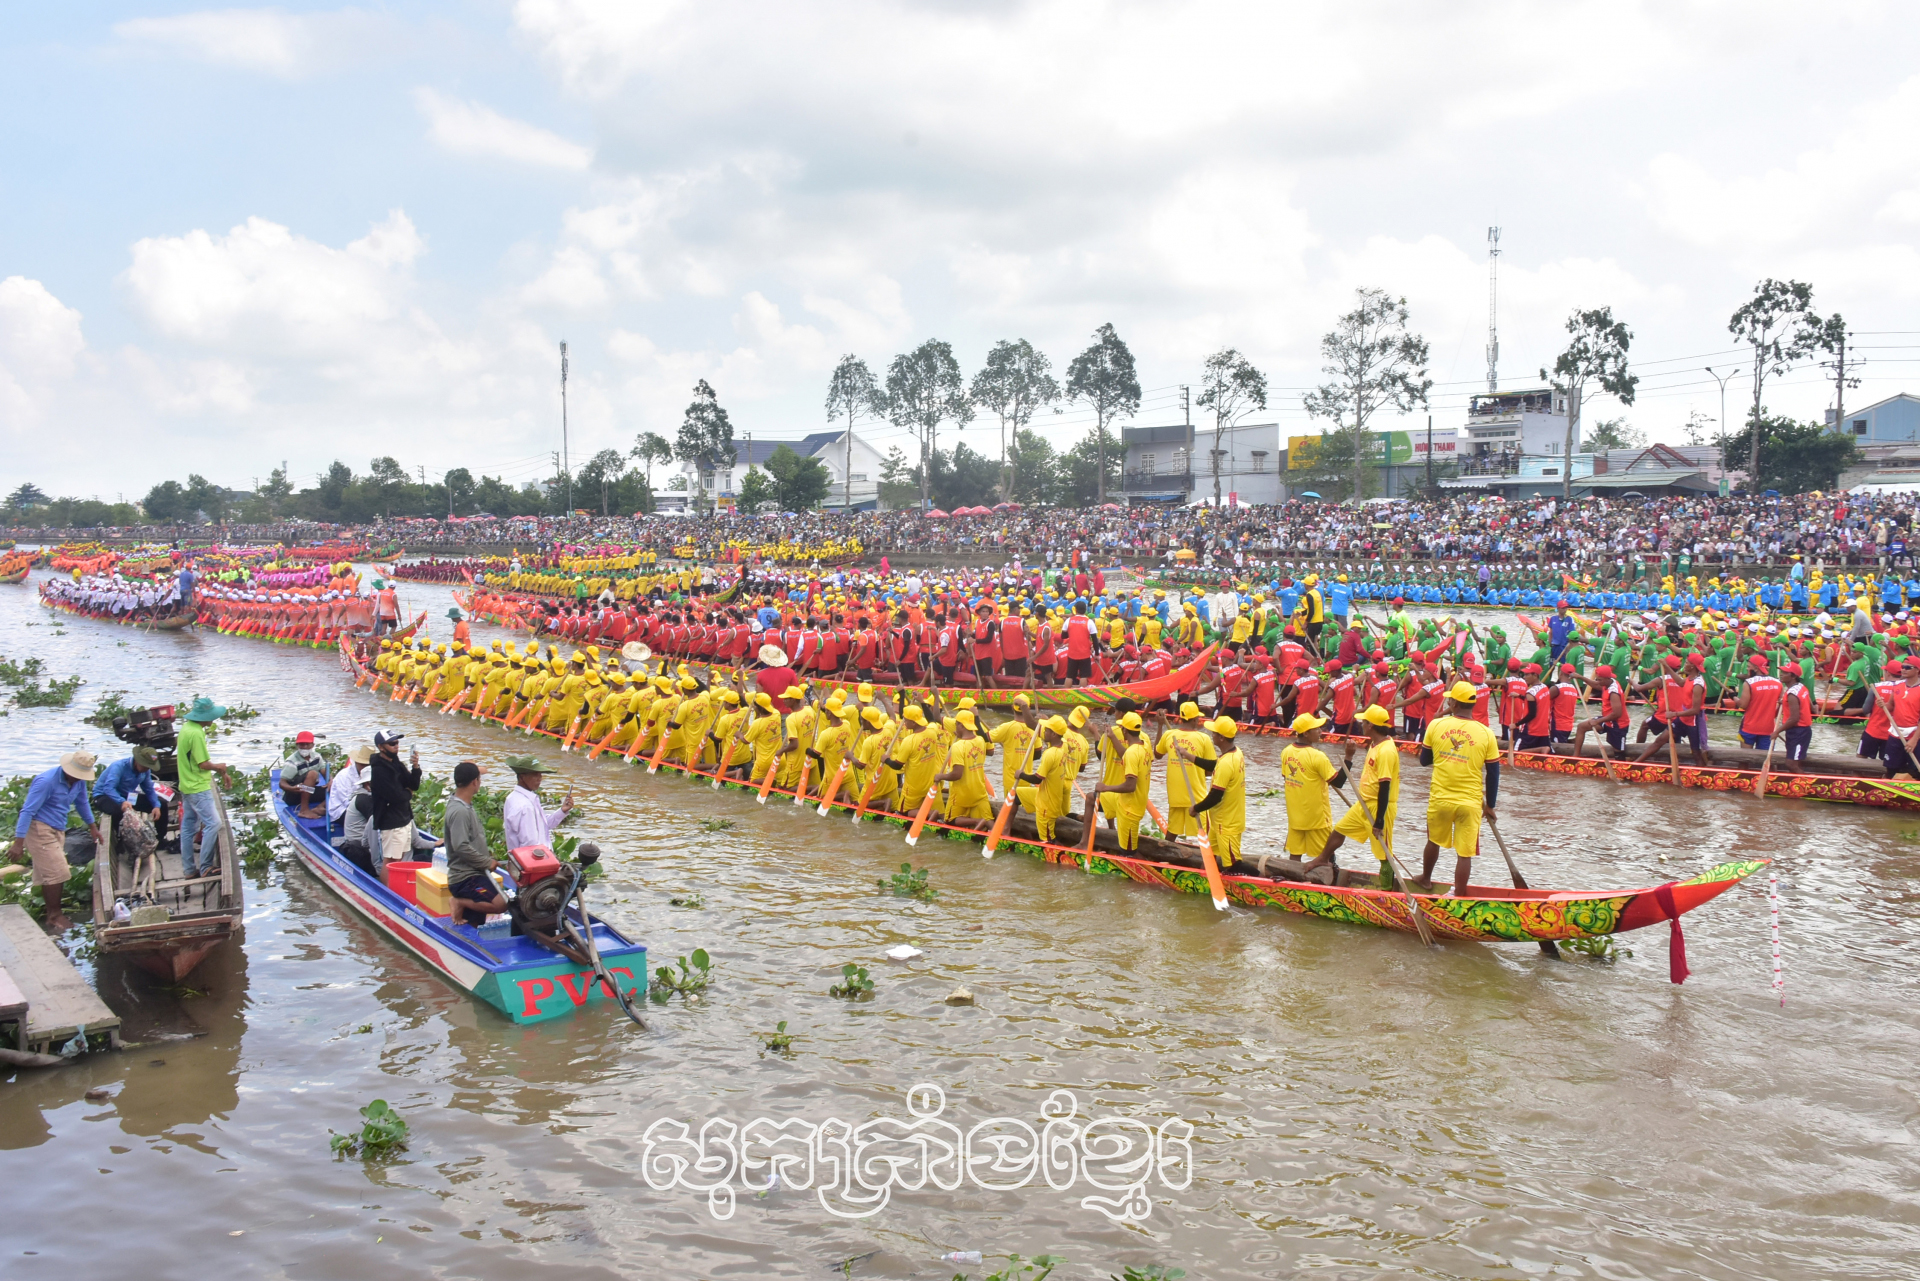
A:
{"x": 852, "y": 394}
{"x": 899, "y": 483}
{"x": 706, "y": 438}
{"x": 1087, "y": 471}
{"x": 1612, "y": 433}
{"x": 1780, "y": 325}
{"x": 651, "y": 448}
{"x": 756, "y": 492}
{"x": 458, "y": 484}
{"x": 1372, "y": 363}
{"x": 165, "y": 503}
{"x": 962, "y": 478}
{"x": 924, "y": 389}
{"x": 799, "y": 484}
{"x": 1102, "y": 378}
{"x": 1232, "y": 388}
{"x": 205, "y": 497}
{"x": 1324, "y": 465}
{"x": 1035, "y": 469}
{"x": 602, "y": 475}
{"x": 27, "y": 496}
{"x": 1597, "y": 354}
{"x": 1016, "y": 381}
{"x": 1793, "y": 457}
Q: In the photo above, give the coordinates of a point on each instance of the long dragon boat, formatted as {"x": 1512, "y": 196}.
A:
{"x": 1489, "y": 914}
{"x": 164, "y": 623}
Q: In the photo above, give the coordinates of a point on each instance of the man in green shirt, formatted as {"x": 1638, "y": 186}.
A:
{"x": 469, "y": 860}
{"x": 198, "y": 816}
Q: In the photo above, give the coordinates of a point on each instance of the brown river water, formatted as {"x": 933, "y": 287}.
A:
{"x": 1361, "y": 1106}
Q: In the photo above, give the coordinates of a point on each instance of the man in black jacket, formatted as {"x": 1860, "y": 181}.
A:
{"x": 393, "y": 786}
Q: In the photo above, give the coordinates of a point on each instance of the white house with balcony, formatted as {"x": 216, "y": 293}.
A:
{"x": 1180, "y": 463}
{"x": 830, "y": 447}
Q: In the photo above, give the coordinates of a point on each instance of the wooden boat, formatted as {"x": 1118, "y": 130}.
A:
{"x": 169, "y": 623}
{"x": 17, "y": 576}
{"x": 1486, "y": 913}
{"x": 201, "y": 913}
{"x": 1844, "y": 780}
{"x": 1002, "y": 697}
{"x": 516, "y": 976}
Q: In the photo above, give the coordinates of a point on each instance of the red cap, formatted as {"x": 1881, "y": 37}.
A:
{"x": 1792, "y": 668}
{"x": 1379, "y": 669}
{"x": 1513, "y": 664}
{"x": 1399, "y": 600}
{"x": 1533, "y": 669}
{"x": 1893, "y": 667}
{"x": 304, "y": 738}
{"x": 1334, "y": 666}
{"x": 1566, "y": 669}
{"x": 1698, "y": 662}
{"x": 1758, "y": 662}
{"x": 1603, "y": 672}
{"x": 1673, "y": 662}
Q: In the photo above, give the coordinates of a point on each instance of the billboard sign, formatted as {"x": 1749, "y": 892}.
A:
{"x": 1384, "y": 448}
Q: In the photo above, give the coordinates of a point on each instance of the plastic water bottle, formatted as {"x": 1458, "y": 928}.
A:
{"x": 122, "y": 913}
{"x": 440, "y": 858}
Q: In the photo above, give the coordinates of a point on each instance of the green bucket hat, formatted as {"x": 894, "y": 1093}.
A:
{"x": 454, "y": 614}
{"x": 525, "y": 765}
{"x": 205, "y": 710}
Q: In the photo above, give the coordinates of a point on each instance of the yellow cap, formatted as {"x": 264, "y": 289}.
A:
{"x": 965, "y": 718}
{"x": 1377, "y": 715}
{"x": 865, "y": 690}
{"x": 915, "y": 715}
{"x": 1131, "y": 721}
{"x": 764, "y": 701}
{"x": 1189, "y": 711}
{"x": 1463, "y": 693}
{"x": 1077, "y": 717}
{"x": 874, "y": 716}
{"x": 1021, "y": 700}
{"x": 1224, "y": 726}
{"x": 1055, "y": 725}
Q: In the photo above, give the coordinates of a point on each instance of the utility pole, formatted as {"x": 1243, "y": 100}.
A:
{"x": 1493, "y": 311}
{"x": 1725, "y": 479}
{"x": 1429, "y": 457}
{"x": 846, "y": 500}
{"x": 1842, "y": 379}
{"x": 1186, "y": 409}
{"x": 566, "y": 466}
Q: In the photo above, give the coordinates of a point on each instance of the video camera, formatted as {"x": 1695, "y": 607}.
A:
{"x": 152, "y": 727}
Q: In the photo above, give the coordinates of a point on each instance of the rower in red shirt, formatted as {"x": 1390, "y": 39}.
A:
{"x": 1759, "y": 704}
{"x": 1341, "y": 692}
{"x": 1566, "y": 704}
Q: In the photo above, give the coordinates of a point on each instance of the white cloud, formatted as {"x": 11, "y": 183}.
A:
{"x": 40, "y": 336}
{"x": 263, "y": 288}
{"x": 471, "y": 129}
{"x": 265, "y": 40}
{"x": 573, "y": 280}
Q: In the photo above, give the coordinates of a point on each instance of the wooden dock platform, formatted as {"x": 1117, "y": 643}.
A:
{"x": 59, "y": 1002}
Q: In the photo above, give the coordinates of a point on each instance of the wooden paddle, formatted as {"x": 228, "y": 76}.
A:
{"x": 1007, "y": 802}
{"x": 879, "y": 767}
{"x": 933, "y": 788}
{"x": 659, "y": 752}
{"x": 1208, "y": 863}
{"x": 1519, "y": 882}
{"x": 1386, "y": 843}
{"x": 1766, "y": 767}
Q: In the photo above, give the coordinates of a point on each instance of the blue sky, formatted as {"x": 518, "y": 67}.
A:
{"x": 231, "y": 237}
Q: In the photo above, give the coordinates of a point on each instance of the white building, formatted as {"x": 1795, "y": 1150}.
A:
{"x": 1502, "y": 427}
{"x": 830, "y": 447}
{"x": 1163, "y": 465}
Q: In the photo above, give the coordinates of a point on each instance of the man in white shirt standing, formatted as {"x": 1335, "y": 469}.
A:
{"x": 523, "y": 820}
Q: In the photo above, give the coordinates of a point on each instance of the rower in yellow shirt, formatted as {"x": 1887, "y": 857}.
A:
{"x": 917, "y": 756}
{"x": 1113, "y": 751}
{"x": 874, "y": 778}
{"x": 1135, "y": 783}
{"x": 1378, "y": 790}
{"x": 1043, "y": 790}
{"x": 1306, "y": 773}
{"x": 1224, "y": 808}
{"x": 1079, "y": 749}
{"x": 1466, "y": 784}
{"x": 832, "y": 744}
{"x": 1186, "y": 780}
{"x": 764, "y": 736}
{"x": 1012, "y": 738}
{"x": 969, "y": 803}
